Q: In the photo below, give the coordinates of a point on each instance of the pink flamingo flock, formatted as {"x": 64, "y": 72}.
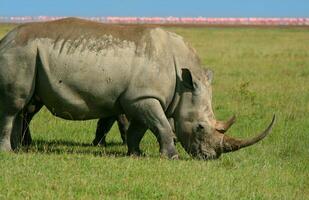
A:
{"x": 171, "y": 20}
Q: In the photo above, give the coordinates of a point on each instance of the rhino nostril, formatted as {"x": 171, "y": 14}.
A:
{"x": 200, "y": 127}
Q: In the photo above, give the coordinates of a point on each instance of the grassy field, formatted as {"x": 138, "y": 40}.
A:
{"x": 258, "y": 72}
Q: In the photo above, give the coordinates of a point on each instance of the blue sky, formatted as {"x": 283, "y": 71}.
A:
{"x": 205, "y": 8}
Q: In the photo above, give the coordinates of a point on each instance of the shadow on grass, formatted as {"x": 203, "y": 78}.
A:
{"x": 60, "y": 147}
{"x": 60, "y": 143}
{"x": 113, "y": 149}
{"x": 74, "y": 144}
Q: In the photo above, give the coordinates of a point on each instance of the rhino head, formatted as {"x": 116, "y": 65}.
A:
{"x": 196, "y": 128}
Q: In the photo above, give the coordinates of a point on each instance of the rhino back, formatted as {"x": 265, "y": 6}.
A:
{"x": 73, "y": 28}
{"x": 87, "y": 68}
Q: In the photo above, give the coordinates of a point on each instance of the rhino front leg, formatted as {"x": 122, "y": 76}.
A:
{"x": 171, "y": 121}
{"x": 150, "y": 113}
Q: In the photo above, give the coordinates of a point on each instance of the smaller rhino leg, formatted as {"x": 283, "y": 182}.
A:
{"x": 103, "y": 127}
{"x": 135, "y": 134}
{"x": 123, "y": 125}
{"x": 16, "y": 135}
{"x": 26, "y": 137}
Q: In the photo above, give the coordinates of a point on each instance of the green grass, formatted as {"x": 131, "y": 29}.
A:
{"x": 258, "y": 72}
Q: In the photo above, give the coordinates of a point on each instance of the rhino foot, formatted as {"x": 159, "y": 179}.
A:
{"x": 135, "y": 153}
{"x": 169, "y": 153}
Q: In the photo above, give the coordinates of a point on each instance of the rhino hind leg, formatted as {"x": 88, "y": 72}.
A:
{"x": 6, "y": 126}
{"x": 11, "y": 128}
{"x": 12, "y": 118}
{"x": 17, "y": 85}
{"x": 103, "y": 127}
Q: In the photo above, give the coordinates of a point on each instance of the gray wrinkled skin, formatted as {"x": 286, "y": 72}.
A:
{"x": 84, "y": 70}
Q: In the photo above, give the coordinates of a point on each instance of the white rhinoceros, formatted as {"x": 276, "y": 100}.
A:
{"x": 85, "y": 70}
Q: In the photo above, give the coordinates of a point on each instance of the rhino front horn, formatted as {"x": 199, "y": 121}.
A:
{"x": 222, "y": 127}
{"x": 229, "y": 144}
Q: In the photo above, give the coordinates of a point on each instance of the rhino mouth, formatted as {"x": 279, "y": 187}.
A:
{"x": 205, "y": 156}
{"x": 203, "y": 151}
{"x": 207, "y": 152}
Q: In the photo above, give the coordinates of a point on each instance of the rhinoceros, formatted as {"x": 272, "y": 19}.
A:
{"x": 84, "y": 70}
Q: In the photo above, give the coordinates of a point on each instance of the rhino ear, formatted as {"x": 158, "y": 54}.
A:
{"x": 187, "y": 79}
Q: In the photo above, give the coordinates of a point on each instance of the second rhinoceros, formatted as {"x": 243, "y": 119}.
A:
{"x": 84, "y": 70}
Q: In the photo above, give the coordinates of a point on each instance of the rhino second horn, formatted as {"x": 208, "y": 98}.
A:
{"x": 232, "y": 144}
{"x": 222, "y": 127}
